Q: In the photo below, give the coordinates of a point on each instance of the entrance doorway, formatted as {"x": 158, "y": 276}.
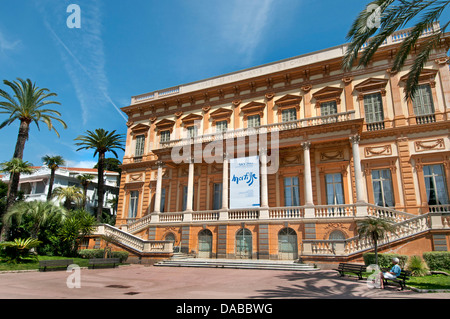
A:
{"x": 244, "y": 243}
{"x": 205, "y": 244}
{"x": 287, "y": 244}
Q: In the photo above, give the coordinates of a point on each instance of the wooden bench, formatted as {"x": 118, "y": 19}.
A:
{"x": 57, "y": 264}
{"x": 352, "y": 268}
{"x": 104, "y": 262}
{"x": 401, "y": 279}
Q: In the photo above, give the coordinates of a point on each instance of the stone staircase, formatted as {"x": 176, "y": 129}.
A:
{"x": 181, "y": 261}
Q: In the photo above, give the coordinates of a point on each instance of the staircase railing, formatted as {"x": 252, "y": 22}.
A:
{"x": 133, "y": 242}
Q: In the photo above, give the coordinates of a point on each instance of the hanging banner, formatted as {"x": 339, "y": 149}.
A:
{"x": 244, "y": 182}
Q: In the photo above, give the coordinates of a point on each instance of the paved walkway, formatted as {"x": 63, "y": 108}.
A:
{"x": 149, "y": 282}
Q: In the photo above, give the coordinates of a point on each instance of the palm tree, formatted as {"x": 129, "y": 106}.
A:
{"x": 375, "y": 229}
{"x": 14, "y": 167}
{"x": 101, "y": 141}
{"x": 52, "y": 162}
{"x": 69, "y": 194}
{"x": 394, "y": 15}
{"x": 41, "y": 214}
{"x": 26, "y": 105}
{"x": 85, "y": 180}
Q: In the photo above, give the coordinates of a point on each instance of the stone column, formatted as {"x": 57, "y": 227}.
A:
{"x": 308, "y": 179}
{"x": 361, "y": 208}
{"x": 357, "y": 166}
{"x": 309, "y": 202}
{"x": 225, "y": 182}
{"x": 158, "y": 187}
{"x": 190, "y": 188}
{"x": 264, "y": 192}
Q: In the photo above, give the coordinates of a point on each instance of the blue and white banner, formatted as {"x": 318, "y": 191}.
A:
{"x": 244, "y": 182}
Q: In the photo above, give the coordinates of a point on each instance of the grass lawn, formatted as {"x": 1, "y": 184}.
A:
{"x": 430, "y": 282}
{"x": 425, "y": 282}
{"x": 34, "y": 264}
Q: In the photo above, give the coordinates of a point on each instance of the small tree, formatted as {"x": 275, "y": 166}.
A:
{"x": 38, "y": 213}
{"x": 375, "y": 229}
{"x": 70, "y": 195}
{"x": 76, "y": 227}
{"x": 85, "y": 180}
{"x": 53, "y": 163}
{"x": 14, "y": 167}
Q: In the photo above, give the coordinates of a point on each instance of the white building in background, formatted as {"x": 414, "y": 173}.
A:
{"x": 35, "y": 186}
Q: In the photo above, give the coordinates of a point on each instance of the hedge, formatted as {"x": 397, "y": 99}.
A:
{"x": 437, "y": 260}
{"x": 99, "y": 253}
{"x": 384, "y": 260}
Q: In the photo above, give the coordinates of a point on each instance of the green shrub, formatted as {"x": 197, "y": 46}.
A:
{"x": 417, "y": 266}
{"x": 384, "y": 260}
{"x": 437, "y": 260}
{"x": 99, "y": 253}
{"x": 19, "y": 249}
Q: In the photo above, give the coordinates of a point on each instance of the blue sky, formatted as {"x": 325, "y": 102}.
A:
{"x": 126, "y": 48}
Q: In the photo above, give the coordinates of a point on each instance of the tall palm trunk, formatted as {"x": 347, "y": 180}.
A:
{"x": 50, "y": 184}
{"x": 85, "y": 187}
{"x": 18, "y": 153}
{"x": 101, "y": 161}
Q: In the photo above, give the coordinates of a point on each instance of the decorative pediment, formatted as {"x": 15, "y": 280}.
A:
{"x": 253, "y": 107}
{"x": 372, "y": 84}
{"x": 140, "y": 129}
{"x": 328, "y": 93}
{"x": 427, "y": 75}
{"x": 191, "y": 118}
{"x": 221, "y": 114}
{"x": 165, "y": 124}
{"x": 288, "y": 100}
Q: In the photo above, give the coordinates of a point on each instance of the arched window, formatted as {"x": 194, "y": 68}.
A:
{"x": 244, "y": 243}
{"x": 287, "y": 244}
{"x": 204, "y": 243}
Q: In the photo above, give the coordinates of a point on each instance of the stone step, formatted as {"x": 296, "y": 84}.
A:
{"x": 236, "y": 264}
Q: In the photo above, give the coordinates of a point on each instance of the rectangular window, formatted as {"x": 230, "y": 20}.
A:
{"x": 423, "y": 101}
{"x": 221, "y": 126}
{"x": 436, "y": 184}
{"x": 253, "y": 121}
{"x": 192, "y": 131}
{"x": 382, "y": 188}
{"x": 291, "y": 192}
{"x": 140, "y": 143}
{"x": 133, "y": 206}
{"x": 373, "y": 108}
{"x": 165, "y": 136}
{"x": 328, "y": 108}
{"x": 334, "y": 189}
{"x": 217, "y": 196}
{"x": 288, "y": 115}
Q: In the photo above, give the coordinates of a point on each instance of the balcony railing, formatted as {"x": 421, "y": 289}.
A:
{"x": 275, "y": 127}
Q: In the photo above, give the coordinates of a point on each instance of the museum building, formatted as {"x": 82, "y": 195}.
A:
{"x": 281, "y": 161}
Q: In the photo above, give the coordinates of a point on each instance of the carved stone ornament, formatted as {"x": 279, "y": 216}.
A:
{"x": 332, "y": 155}
{"x": 378, "y": 150}
{"x": 437, "y": 144}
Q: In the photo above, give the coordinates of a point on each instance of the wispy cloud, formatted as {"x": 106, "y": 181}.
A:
{"x": 82, "y": 52}
{"x": 245, "y": 26}
{"x": 6, "y": 44}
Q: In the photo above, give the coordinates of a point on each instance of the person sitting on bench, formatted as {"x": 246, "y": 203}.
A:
{"x": 392, "y": 274}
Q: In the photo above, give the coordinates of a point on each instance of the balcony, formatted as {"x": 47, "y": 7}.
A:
{"x": 317, "y": 212}
{"x": 269, "y": 128}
